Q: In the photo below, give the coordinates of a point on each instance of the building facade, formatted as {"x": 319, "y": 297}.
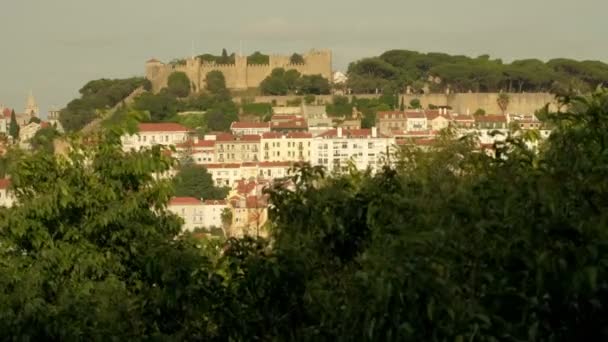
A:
{"x": 150, "y": 134}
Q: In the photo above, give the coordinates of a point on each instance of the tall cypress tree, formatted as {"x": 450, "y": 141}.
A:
{"x": 14, "y": 127}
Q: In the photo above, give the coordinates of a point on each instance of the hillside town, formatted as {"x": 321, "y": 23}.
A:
{"x": 256, "y": 154}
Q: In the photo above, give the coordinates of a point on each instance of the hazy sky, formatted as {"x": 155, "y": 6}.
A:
{"x": 54, "y": 46}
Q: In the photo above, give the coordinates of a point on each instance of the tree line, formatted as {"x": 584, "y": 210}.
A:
{"x": 448, "y": 244}
{"x": 398, "y": 69}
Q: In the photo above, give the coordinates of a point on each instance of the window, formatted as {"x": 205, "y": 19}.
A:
{"x": 144, "y": 138}
{"x": 370, "y": 145}
{"x": 166, "y": 138}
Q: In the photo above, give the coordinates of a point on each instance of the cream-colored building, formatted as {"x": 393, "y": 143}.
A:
{"x": 237, "y": 149}
{"x": 150, "y": 134}
{"x": 197, "y": 213}
{"x": 229, "y": 174}
{"x": 336, "y": 148}
{"x": 199, "y": 150}
{"x": 293, "y": 146}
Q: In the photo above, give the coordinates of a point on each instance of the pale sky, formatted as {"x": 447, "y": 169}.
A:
{"x": 53, "y": 47}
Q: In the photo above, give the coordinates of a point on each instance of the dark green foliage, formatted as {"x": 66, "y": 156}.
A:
{"x": 98, "y": 95}
{"x": 43, "y": 139}
{"x": 313, "y": 84}
{"x": 309, "y": 99}
{"x": 13, "y": 128}
{"x": 178, "y": 84}
{"x": 216, "y": 83}
{"x": 482, "y": 74}
{"x": 218, "y": 120}
{"x": 258, "y": 58}
{"x": 446, "y": 245}
{"x": 281, "y": 82}
{"x": 339, "y": 107}
{"x": 35, "y": 119}
{"x": 259, "y": 109}
{"x": 296, "y": 59}
{"x": 194, "y": 181}
{"x": 415, "y": 104}
{"x": 479, "y": 111}
{"x": 160, "y": 106}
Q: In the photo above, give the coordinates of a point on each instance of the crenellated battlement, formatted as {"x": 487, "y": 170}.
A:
{"x": 239, "y": 75}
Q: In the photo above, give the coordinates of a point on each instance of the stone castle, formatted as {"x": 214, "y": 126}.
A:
{"x": 239, "y": 75}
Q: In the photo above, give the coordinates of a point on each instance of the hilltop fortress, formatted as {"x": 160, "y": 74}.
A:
{"x": 239, "y": 75}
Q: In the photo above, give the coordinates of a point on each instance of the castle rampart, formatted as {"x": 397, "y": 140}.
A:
{"x": 239, "y": 75}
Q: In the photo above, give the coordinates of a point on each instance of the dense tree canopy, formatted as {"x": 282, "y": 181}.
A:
{"x": 216, "y": 83}
{"x": 281, "y": 82}
{"x": 43, "y": 140}
{"x": 178, "y": 84}
{"x": 258, "y": 58}
{"x": 450, "y": 244}
{"x": 194, "y": 181}
{"x": 401, "y": 68}
{"x": 97, "y": 95}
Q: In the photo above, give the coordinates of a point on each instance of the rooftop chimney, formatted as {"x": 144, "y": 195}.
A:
{"x": 339, "y": 132}
{"x": 374, "y": 132}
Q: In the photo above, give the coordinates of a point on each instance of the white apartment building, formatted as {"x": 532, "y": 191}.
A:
{"x": 364, "y": 147}
{"x": 229, "y": 174}
{"x": 196, "y": 213}
{"x": 201, "y": 151}
{"x": 151, "y": 134}
{"x": 212, "y": 212}
{"x": 6, "y": 197}
{"x": 294, "y": 146}
{"x": 242, "y": 128}
{"x": 237, "y": 148}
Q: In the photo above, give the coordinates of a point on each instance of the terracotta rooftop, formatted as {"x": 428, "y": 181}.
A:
{"x": 415, "y": 115}
{"x": 272, "y": 135}
{"x": 491, "y": 118}
{"x": 5, "y": 183}
{"x": 215, "y": 202}
{"x": 162, "y": 127}
{"x": 7, "y": 112}
{"x": 222, "y": 166}
{"x": 463, "y": 118}
{"x": 299, "y": 135}
{"x": 244, "y": 124}
{"x": 184, "y": 201}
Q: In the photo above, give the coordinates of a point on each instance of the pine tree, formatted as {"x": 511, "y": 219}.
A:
{"x": 14, "y": 127}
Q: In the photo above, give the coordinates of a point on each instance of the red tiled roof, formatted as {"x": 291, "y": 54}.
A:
{"x": 199, "y": 143}
{"x": 425, "y": 142}
{"x": 222, "y": 166}
{"x": 435, "y": 115}
{"x": 284, "y": 117}
{"x": 415, "y": 115}
{"x": 215, "y": 202}
{"x": 274, "y": 164}
{"x": 162, "y": 127}
{"x": 272, "y": 135}
{"x": 491, "y": 118}
{"x": 5, "y": 183}
{"x": 244, "y": 124}
{"x": 463, "y": 118}
{"x": 299, "y": 135}
{"x": 184, "y": 201}
{"x": 44, "y": 124}
{"x": 7, "y": 112}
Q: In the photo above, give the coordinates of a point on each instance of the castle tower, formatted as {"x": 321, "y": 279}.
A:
{"x": 31, "y": 108}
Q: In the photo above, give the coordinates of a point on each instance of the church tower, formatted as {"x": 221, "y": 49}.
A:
{"x": 31, "y": 108}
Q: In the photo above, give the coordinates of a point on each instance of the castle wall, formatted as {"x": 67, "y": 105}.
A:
{"x": 519, "y": 103}
{"x": 239, "y": 75}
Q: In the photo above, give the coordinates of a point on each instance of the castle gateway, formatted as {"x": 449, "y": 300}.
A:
{"x": 239, "y": 75}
